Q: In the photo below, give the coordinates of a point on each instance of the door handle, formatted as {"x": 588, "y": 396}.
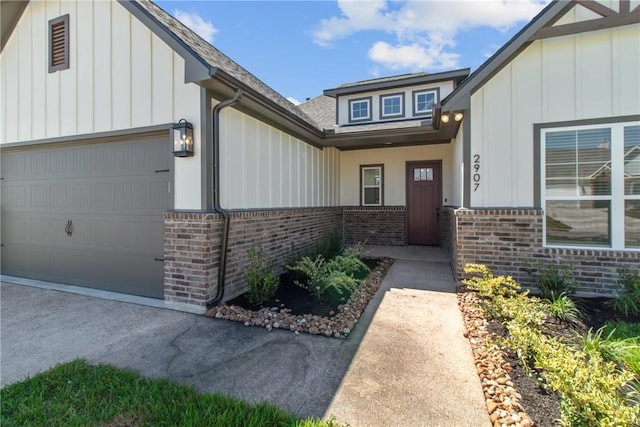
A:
{"x": 437, "y": 214}
{"x": 69, "y": 228}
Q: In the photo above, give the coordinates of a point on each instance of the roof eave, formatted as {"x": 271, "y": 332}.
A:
{"x": 456, "y": 75}
{"x": 257, "y": 105}
{"x": 10, "y": 13}
{"x": 387, "y": 138}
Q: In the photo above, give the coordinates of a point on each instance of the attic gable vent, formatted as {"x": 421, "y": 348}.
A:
{"x": 59, "y": 43}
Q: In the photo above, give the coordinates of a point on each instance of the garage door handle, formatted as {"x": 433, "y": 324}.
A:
{"x": 69, "y": 228}
{"x": 159, "y": 259}
{"x": 162, "y": 170}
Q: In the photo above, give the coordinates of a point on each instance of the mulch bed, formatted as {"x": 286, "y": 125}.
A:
{"x": 295, "y": 310}
{"x": 513, "y": 398}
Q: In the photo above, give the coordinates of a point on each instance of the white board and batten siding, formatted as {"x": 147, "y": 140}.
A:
{"x": 394, "y": 179}
{"x": 121, "y": 76}
{"x": 585, "y": 76}
{"x": 263, "y": 167}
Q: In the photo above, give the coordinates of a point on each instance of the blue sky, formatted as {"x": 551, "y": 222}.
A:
{"x": 302, "y": 47}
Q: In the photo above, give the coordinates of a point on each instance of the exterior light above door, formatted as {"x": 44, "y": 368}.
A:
{"x": 182, "y": 139}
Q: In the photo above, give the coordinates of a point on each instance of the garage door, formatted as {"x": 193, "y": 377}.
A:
{"x": 88, "y": 214}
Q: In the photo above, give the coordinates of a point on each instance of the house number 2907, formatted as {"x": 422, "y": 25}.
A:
{"x": 476, "y": 172}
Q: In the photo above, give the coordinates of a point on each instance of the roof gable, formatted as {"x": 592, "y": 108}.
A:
{"x": 542, "y": 26}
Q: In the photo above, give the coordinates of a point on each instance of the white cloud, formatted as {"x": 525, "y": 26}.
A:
{"x": 292, "y": 100}
{"x": 204, "y": 29}
{"x": 413, "y": 56}
{"x": 422, "y": 33}
{"x": 490, "y": 50}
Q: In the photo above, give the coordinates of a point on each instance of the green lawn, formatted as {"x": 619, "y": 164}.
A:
{"x": 79, "y": 394}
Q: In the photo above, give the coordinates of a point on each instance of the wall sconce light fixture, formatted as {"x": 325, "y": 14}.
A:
{"x": 182, "y": 139}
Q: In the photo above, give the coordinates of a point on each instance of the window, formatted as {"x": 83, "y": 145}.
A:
{"x": 371, "y": 183}
{"x": 359, "y": 109}
{"x": 392, "y": 106}
{"x": 59, "y": 44}
{"x": 423, "y": 102}
{"x": 591, "y": 185}
{"x": 423, "y": 174}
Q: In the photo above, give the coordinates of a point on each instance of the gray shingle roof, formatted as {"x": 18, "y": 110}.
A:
{"x": 401, "y": 80}
{"x": 322, "y": 109}
{"x": 215, "y": 58}
{"x": 383, "y": 79}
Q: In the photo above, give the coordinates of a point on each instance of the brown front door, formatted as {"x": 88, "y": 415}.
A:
{"x": 424, "y": 190}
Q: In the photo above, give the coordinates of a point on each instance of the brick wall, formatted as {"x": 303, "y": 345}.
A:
{"x": 510, "y": 243}
{"x": 191, "y": 250}
{"x": 449, "y": 235}
{"x": 192, "y": 243}
{"x": 278, "y": 231}
{"x": 375, "y": 225}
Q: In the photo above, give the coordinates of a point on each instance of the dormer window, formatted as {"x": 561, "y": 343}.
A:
{"x": 423, "y": 102}
{"x": 359, "y": 110}
{"x": 392, "y": 106}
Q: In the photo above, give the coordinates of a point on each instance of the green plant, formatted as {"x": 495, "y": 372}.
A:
{"x": 564, "y": 308}
{"x": 486, "y": 284}
{"x": 628, "y": 299}
{"x": 597, "y": 385}
{"x": 623, "y": 330}
{"x": 357, "y": 251}
{"x": 261, "y": 277}
{"x": 329, "y": 246}
{"x": 594, "y": 391}
{"x": 323, "y": 276}
{"x": 554, "y": 281}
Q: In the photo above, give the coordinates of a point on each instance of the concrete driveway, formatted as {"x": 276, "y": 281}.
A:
{"x": 41, "y": 328}
{"x": 405, "y": 363}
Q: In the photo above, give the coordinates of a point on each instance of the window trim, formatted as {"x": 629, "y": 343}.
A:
{"x": 64, "y": 19}
{"x": 425, "y": 113}
{"x": 399, "y": 115}
{"x": 617, "y": 198}
{"x": 366, "y": 99}
{"x": 379, "y": 166}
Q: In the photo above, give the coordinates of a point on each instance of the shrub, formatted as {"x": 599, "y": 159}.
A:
{"x": 329, "y": 246}
{"x": 564, "y": 308}
{"x": 595, "y": 386}
{"x": 486, "y": 284}
{"x": 261, "y": 277}
{"x": 628, "y": 299}
{"x": 323, "y": 276}
{"x": 590, "y": 386}
{"x": 554, "y": 281}
{"x": 357, "y": 251}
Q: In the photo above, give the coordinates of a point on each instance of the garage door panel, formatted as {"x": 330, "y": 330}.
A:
{"x": 113, "y": 195}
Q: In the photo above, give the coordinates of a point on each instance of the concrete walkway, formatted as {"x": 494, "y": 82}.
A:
{"x": 413, "y": 367}
{"x": 406, "y": 362}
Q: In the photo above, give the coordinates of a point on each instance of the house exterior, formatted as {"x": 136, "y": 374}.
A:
{"x": 532, "y": 159}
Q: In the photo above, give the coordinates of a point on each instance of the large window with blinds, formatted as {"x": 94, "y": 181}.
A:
{"x": 591, "y": 186}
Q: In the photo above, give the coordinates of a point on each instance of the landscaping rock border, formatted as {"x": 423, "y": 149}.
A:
{"x": 338, "y": 326}
{"x": 502, "y": 400}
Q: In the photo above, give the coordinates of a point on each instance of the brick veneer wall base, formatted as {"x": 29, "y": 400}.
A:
{"x": 375, "y": 225}
{"x": 192, "y": 247}
{"x": 510, "y": 242}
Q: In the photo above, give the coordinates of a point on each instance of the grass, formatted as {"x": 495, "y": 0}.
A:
{"x": 79, "y": 394}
